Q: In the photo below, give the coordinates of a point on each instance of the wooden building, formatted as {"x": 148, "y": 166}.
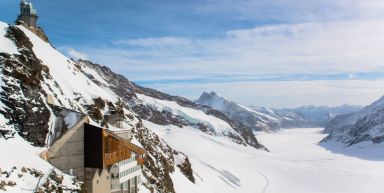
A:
{"x": 105, "y": 160}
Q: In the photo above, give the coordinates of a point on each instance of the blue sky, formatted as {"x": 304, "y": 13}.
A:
{"x": 282, "y": 53}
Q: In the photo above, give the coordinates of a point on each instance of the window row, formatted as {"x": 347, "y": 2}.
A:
{"x": 127, "y": 161}
{"x": 129, "y": 171}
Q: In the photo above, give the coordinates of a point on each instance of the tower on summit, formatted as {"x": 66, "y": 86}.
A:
{"x": 28, "y": 15}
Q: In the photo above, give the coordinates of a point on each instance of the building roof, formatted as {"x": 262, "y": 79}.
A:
{"x": 65, "y": 120}
{"x": 32, "y": 11}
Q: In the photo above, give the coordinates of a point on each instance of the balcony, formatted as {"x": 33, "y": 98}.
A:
{"x": 117, "y": 149}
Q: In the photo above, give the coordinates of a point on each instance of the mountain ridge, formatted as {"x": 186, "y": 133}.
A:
{"x": 266, "y": 119}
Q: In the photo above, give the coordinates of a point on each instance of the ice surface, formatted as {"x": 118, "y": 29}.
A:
{"x": 296, "y": 164}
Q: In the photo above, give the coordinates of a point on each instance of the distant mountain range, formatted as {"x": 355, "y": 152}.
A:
{"x": 322, "y": 115}
{"x": 265, "y": 119}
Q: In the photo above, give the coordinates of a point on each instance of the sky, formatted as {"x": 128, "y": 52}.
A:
{"x": 281, "y": 53}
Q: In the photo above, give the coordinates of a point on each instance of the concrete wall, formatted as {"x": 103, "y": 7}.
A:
{"x": 125, "y": 134}
{"x": 31, "y": 20}
{"x": 67, "y": 152}
{"x": 98, "y": 180}
{"x": 115, "y": 180}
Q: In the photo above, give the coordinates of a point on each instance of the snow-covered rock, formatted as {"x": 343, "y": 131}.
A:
{"x": 366, "y": 125}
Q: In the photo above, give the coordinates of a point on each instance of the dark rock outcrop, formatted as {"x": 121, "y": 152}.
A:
{"x": 22, "y": 75}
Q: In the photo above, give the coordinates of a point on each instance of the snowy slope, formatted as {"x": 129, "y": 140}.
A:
{"x": 72, "y": 83}
{"x": 366, "y": 125}
{"x": 21, "y": 165}
{"x": 6, "y": 45}
{"x": 216, "y": 125}
{"x": 296, "y": 164}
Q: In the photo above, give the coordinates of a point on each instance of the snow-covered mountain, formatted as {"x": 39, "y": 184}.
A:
{"x": 366, "y": 125}
{"x": 33, "y": 71}
{"x": 265, "y": 119}
{"x": 257, "y": 118}
{"x": 322, "y": 115}
{"x": 189, "y": 147}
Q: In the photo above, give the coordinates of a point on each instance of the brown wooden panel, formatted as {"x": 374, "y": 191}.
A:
{"x": 117, "y": 149}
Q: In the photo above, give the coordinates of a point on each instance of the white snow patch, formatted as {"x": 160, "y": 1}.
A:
{"x": 6, "y": 45}
{"x": 183, "y": 185}
{"x": 95, "y": 75}
{"x": 262, "y": 114}
{"x": 71, "y": 119}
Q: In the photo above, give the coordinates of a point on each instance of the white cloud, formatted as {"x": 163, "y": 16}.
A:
{"x": 330, "y": 47}
{"x": 342, "y": 46}
{"x": 321, "y": 37}
{"x": 352, "y": 76}
{"x": 295, "y": 10}
{"x": 72, "y": 53}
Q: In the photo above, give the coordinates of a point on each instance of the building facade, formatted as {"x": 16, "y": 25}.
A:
{"x": 126, "y": 176}
{"x": 104, "y": 160}
{"x": 28, "y": 15}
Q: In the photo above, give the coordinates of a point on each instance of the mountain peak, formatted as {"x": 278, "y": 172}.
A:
{"x": 207, "y": 98}
{"x": 209, "y": 94}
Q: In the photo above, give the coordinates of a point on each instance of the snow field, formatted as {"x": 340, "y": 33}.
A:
{"x": 296, "y": 164}
{"x": 6, "y": 45}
